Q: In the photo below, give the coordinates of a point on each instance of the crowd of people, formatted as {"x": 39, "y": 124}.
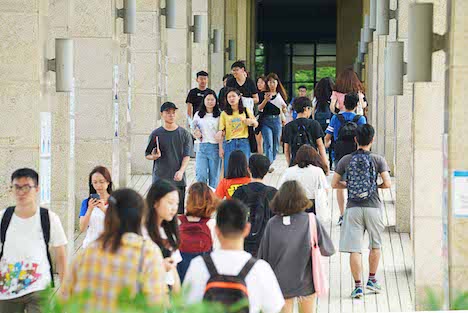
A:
{"x": 234, "y": 238}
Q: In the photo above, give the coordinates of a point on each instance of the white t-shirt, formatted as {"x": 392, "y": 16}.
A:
{"x": 208, "y": 126}
{"x": 176, "y": 256}
{"x": 95, "y": 226}
{"x": 311, "y": 178}
{"x": 264, "y": 291}
{"x": 24, "y": 267}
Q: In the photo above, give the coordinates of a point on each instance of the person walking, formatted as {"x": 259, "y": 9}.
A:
{"x": 93, "y": 209}
{"x": 197, "y": 225}
{"x": 204, "y": 128}
{"x": 347, "y": 82}
{"x": 257, "y": 196}
{"x": 222, "y": 92}
{"x": 261, "y": 89}
{"x": 231, "y": 267}
{"x": 161, "y": 226}
{"x": 233, "y": 126}
{"x": 271, "y": 107}
{"x": 169, "y": 148}
{"x": 302, "y": 131}
{"x": 309, "y": 171}
{"x": 286, "y": 246}
{"x": 196, "y": 95}
{"x": 342, "y": 129}
{"x": 301, "y": 92}
{"x": 28, "y": 232}
{"x": 244, "y": 84}
{"x": 364, "y": 210}
{"x": 120, "y": 258}
{"x": 237, "y": 175}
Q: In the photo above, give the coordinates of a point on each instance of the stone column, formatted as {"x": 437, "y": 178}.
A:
{"x": 216, "y": 60}
{"x": 379, "y": 141}
{"x": 404, "y": 135}
{"x": 230, "y": 31}
{"x": 147, "y": 59}
{"x": 457, "y": 145}
{"x": 200, "y": 50}
{"x": 428, "y": 128}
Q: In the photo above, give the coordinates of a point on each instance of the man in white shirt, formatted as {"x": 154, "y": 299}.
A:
{"x": 24, "y": 263}
{"x": 263, "y": 290}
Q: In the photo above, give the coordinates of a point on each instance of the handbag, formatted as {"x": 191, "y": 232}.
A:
{"x": 318, "y": 275}
{"x": 252, "y": 139}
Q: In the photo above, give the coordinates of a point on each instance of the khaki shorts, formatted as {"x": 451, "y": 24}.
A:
{"x": 356, "y": 221}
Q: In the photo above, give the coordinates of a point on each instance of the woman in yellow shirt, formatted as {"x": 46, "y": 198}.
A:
{"x": 233, "y": 126}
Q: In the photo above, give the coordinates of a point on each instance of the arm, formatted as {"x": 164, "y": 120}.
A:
{"x": 262, "y": 105}
{"x": 322, "y": 152}
{"x": 189, "y": 109}
{"x": 328, "y": 140}
{"x": 337, "y": 183}
{"x": 179, "y": 175}
{"x": 387, "y": 183}
{"x": 61, "y": 261}
{"x": 287, "y": 153}
{"x": 333, "y": 104}
{"x": 255, "y": 98}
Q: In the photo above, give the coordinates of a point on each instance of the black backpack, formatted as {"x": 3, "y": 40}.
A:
{"x": 345, "y": 143}
{"x": 259, "y": 214}
{"x": 226, "y": 289}
{"x": 301, "y": 138}
{"x": 323, "y": 117}
{"x": 45, "y": 224}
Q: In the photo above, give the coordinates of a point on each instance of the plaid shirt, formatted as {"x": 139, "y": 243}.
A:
{"x": 105, "y": 274}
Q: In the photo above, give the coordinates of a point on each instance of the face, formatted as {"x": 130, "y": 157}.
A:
{"x": 272, "y": 84}
{"x": 169, "y": 116}
{"x": 233, "y": 100}
{"x": 238, "y": 72}
{"x": 202, "y": 81}
{"x": 25, "y": 190}
{"x": 308, "y": 111}
{"x": 166, "y": 208}
{"x": 225, "y": 82}
{"x": 302, "y": 92}
{"x": 261, "y": 84}
{"x": 210, "y": 101}
{"x": 99, "y": 183}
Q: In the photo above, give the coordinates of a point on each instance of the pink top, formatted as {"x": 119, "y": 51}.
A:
{"x": 339, "y": 97}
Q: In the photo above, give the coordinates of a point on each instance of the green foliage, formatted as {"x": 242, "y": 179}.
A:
{"x": 435, "y": 303}
{"x": 131, "y": 304}
{"x": 323, "y": 72}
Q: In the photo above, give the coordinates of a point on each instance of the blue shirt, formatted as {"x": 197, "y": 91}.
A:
{"x": 335, "y": 124}
{"x": 84, "y": 207}
{"x": 294, "y": 113}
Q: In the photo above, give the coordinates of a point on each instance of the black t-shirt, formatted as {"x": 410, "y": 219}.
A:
{"x": 248, "y": 89}
{"x": 196, "y": 97}
{"x": 270, "y": 108}
{"x": 313, "y": 128}
{"x": 222, "y": 98}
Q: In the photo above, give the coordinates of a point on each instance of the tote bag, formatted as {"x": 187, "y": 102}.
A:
{"x": 320, "y": 282}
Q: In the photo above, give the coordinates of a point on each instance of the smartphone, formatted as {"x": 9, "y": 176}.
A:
{"x": 94, "y": 196}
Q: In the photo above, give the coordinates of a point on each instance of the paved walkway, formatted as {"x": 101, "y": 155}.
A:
{"x": 395, "y": 272}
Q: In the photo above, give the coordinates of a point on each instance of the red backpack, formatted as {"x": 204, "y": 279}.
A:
{"x": 195, "y": 237}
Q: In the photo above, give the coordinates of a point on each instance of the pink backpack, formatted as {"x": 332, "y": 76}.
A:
{"x": 320, "y": 281}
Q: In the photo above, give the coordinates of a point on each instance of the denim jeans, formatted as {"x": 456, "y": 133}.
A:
{"x": 208, "y": 164}
{"x": 271, "y": 133}
{"x": 235, "y": 144}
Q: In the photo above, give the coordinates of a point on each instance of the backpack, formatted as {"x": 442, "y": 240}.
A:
{"x": 323, "y": 117}
{"x": 226, "y": 289}
{"x": 362, "y": 176}
{"x": 195, "y": 237}
{"x": 345, "y": 143}
{"x": 301, "y": 138}
{"x": 45, "y": 224}
{"x": 258, "y": 217}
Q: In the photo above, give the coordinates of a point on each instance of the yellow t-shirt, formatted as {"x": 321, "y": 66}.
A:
{"x": 235, "y": 128}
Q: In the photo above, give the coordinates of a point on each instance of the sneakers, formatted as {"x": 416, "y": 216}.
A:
{"x": 340, "y": 221}
{"x": 374, "y": 286}
{"x": 357, "y": 293}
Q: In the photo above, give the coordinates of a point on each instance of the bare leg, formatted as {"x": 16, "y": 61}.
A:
{"x": 307, "y": 304}
{"x": 341, "y": 200}
{"x": 355, "y": 261}
{"x": 374, "y": 258}
{"x": 288, "y": 306}
{"x": 259, "y": 143}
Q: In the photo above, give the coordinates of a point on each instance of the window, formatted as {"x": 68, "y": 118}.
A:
{"x": 259, "y": 59}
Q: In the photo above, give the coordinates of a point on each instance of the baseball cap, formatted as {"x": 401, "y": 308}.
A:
{"x": 168, "y": 105}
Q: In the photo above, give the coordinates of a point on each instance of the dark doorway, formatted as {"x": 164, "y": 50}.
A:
{"x": 297, "y": 40}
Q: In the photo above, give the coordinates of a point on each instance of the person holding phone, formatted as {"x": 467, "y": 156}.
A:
{"x": 93, "y": 209}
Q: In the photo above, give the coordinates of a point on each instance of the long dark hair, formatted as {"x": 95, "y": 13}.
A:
{"x": 157, "y": 191}
{"x": 280, "y": 88}
{"x": 216, "y": 109}
{"x": 124, "y": 215}
{"x": 237, "y": 165}
{"x": 307, "y": 155}
{"x": 323, "y": 91}
{"x": 104, "y": 172}
{"x": 228, "y": 108}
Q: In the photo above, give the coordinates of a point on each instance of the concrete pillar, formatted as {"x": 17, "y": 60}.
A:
{"x": 348, "y": 31}
{"x": 457, "y": 145}
{"x": 147, "y": 59}
{"x": 230, "y": 31}
{"x": 216, "y": 63}
{"x": 428, "y": 128}
{"x": 404, "y": 135}
{"x": 379, "y": 141}
{"x": 200, "y": 50}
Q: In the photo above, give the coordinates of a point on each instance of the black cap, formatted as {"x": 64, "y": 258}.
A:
{"x": 202, "y": 73}
{"x": 168, "y": 105}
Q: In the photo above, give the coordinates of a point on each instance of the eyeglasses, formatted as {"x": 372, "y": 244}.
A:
{"x": 25, "y": 188}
